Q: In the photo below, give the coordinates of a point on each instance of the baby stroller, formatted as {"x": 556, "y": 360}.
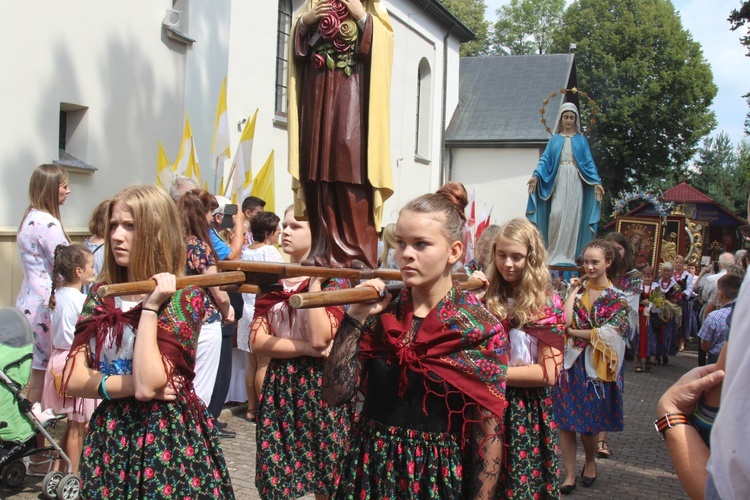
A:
{"x": 18, "y": 423}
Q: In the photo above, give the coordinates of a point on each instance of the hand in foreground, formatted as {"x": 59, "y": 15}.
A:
{"x": 169, "y": 392}
{"x": 166, "y": 285}
{"x": 685, "y": 393}
{"x": 480, "y": 293}
{"x": 360, "y": 312}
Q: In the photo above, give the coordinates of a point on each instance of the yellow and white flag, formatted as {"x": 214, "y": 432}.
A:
{"x": 263, "y": 185}
{"x": 163, "y": 169}
{"x": 220, "y": 145}
{"x": 242, "y": 164}
{"x": 186, "y": 162}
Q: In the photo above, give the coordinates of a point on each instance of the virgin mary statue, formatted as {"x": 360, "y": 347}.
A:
{"x": 565, "y": 190}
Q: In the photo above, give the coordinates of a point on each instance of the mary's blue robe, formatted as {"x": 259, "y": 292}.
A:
{"x": 538, "y": 207}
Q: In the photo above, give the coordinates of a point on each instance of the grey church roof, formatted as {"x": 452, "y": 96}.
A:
{"x": 500, "y": 98}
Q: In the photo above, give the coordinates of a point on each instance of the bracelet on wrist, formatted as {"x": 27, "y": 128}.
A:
{"x": 103, "y": 388}
{"x": 668, "y": 421}
{"x": 150, "y": 309}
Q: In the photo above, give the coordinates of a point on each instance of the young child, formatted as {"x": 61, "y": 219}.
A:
{"x": 73, "y": 267}
{"x": 644, "y": 343}
{"x": 715, "y": 329}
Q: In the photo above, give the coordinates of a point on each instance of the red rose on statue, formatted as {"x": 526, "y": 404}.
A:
{"x": 340, "y": 45}
{"x": 329, "y": 26}
{"x": 318, "y": 61}
{"x": 339, "y": 10}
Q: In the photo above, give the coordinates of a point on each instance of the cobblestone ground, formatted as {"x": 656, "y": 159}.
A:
{"x": 639, "y": 467}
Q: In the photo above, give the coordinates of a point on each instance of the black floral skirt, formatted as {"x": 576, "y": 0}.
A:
{"x": 392, "y": 462}
{"x": 299, "y": 437}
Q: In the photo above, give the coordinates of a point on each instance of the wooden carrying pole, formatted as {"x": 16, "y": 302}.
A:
{"x": 147, "y": 286}
{"x": 308, "y": 300}
{"x": 262, "y": 272}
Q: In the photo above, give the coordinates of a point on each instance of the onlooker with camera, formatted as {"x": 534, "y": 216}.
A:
{"x": 226, "y": 217}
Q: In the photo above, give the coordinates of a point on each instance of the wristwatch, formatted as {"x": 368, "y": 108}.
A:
{"x": 668, "y": 421}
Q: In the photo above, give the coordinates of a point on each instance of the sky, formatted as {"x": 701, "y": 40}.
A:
{"x": 722, "y": 50}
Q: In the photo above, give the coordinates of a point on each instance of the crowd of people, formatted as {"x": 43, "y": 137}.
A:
{"x": 436, "y": 392}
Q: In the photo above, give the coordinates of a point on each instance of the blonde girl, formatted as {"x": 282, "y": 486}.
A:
{"x": 520, "y": 294}
{"x": 151, "y": 436}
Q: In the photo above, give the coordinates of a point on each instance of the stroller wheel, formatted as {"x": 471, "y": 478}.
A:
{"x": 14, "y": 473}
{"x": 69, "y": 487}
{"x": 49, "y": 485}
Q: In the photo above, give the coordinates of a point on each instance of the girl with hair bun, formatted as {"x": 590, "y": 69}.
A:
{"x": 431, "y": 364}
{"x": 39, "y": 233}
{"x": 588, "y": 396}
{"x": 520, "y": 294}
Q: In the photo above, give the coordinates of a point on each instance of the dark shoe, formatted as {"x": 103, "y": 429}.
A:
{"x": 587, "y": 481}
{"x": 665, "y": 360}
{"x": 220, "y": 424}
{"x": 225, "y": 434}
{"x": 648, "y": 366}
{"x": 567, "y": 489}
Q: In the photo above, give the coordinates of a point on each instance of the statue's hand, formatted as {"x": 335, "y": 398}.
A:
{"x": 356, "y": 9}
{"x": 532, "y": 183}
{"x": 598, "y": 192}
{"x": 315, "y": 14}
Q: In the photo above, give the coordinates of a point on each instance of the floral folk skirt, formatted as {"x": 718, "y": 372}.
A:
{"x": 299, "y": 437}
{"x": 587, "y": 406}
{"x": 396, "y": 463}
{"x": 530, "y": 469}
{"x": 152, "y": 449}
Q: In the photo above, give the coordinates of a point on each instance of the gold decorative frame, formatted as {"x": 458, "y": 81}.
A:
{"x": 644, "y": 234}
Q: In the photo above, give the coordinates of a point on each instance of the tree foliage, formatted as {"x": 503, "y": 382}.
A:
{"x": 651, "y": 84}
{"x": 471, "y": 13}
{"x": 719, "y": 174}
{"x": 526, "y": 26}
{"x": 738, "y": 18}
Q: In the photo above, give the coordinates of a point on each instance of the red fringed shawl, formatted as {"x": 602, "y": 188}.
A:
{"x": 459, "y": 341}
{"x": 178, "y": 326}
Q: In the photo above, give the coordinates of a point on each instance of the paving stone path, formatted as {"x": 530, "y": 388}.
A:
{"x": 639, "y": 467}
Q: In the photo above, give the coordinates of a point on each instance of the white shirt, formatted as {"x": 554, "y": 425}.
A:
{"x": 68, "y": 306}
{"x": 730, "y": 455}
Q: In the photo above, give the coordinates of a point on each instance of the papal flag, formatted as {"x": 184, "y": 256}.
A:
{"x": 242, "y": 164}
{"x": 163, "y": 169}
{"x": 263, "y": 185}
{"x": 186, "y": 162}
{"x": 220, "y": 145}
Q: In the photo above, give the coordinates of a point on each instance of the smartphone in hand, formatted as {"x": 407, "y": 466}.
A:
{"x": 229, "y": 211}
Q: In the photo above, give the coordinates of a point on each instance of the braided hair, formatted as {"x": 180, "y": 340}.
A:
{"x": 68, "y": 258}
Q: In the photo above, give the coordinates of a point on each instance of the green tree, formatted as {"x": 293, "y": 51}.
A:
{"x": 651, "y": 83}
{"x": 526, "y": 26}
{"x": 717, "y": 173}
{"x": 737, "y": 19}
{"x": 471, "y": 13}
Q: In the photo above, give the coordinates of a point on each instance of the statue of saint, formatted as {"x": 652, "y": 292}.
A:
{"x": 339, "y": 127}
{"x": 565, "y": 190}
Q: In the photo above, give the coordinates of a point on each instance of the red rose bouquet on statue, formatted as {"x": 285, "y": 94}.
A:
{"x": 339, "y": 33}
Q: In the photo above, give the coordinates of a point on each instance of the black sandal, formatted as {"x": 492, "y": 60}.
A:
{"x": 638, "y": 369}
{"x": 648, "y": 366}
